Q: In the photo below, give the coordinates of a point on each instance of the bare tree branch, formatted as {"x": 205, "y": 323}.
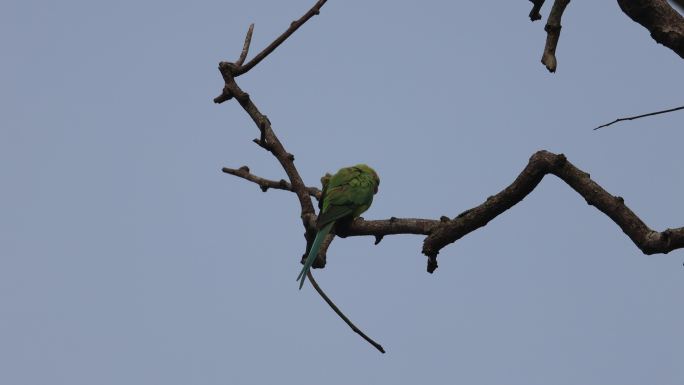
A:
{"x": 553, "y": 28}
{"x": 540, "y": 164}
{"x": 245, "y": 47}
{"x": 341, "y": 315}
{"x": 265, "y": 184}
{"x": 639, "y": 116}
{"x": 536, "y": 7}
{"x": 665, "y": 24}
{"x": 315, "y": 10}
{"x": 269, "y": 141}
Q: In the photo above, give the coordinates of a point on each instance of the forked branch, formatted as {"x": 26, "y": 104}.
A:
{"x": 315, "y": 10}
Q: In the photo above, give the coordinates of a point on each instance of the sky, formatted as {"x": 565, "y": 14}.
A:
{"x": 128, "y": 257}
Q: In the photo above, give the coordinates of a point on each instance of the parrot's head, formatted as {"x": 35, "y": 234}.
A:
{"x": 325, "y": 179}
{"x": 374, "y": 175}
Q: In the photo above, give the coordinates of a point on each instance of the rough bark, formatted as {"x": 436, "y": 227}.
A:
{"x": 664, "y": 23}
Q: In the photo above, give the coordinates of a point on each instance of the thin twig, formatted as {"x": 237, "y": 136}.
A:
{"x": 339, "y": 313}
{"x": 245, "y": 47}
{"x": 315, "y": 10}
{"x": 265, "y": 184}
{"x": 639, "y": 116}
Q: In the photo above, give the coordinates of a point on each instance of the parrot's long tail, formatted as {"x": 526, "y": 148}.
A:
{"x": 313, "y": 252}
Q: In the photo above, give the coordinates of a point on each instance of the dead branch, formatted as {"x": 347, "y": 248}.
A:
{"x": 341, "y": 315}
{"x": 639, "y": 116}
{"x": 245, "y": 47}
{"x": 315, "y": 10}
{"x": 265, "y": 184}
{"x": 536, "y": 7}
{"x": 269, "y": 141}
{"x": 553, "y": 28}
{"x": 665, "y": 24}
{"x": 540, "y": 164}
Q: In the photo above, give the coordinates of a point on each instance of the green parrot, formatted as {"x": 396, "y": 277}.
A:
{"x": 346, "y": 195}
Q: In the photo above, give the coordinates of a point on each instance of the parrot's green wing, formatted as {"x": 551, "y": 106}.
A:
{"x": 348, "y": 193}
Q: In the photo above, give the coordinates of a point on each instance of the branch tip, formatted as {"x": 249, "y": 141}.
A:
{"x": 640, "y": 116}
{"x": 553, "y": 28}
{"x": 536, "y": 7}
{"x": 245, "y": 47}
{"x": 341, "y": 315}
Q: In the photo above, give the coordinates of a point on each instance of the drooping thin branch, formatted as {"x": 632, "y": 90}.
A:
{"x": 315, "y": 10}
{"x": 445, "y": 231}
{"x": 341, "y": 315}
{"x": 639, "y": 116}
{"x": 665, "y": 24}
{"x": 536, "y": 7}
{"x": 553, "y": 28}
{"x": 245, "y": 47}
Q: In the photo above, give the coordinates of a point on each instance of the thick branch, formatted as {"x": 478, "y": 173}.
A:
{"x": 664, "y": 23}
{"x": 553, "y": 28}
{"x": 542, "y": 163}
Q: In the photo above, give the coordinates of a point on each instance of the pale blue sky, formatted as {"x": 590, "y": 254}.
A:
{"x": 127, "y": 257}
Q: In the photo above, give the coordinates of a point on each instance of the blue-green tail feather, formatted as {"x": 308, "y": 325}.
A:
{"x": 313, "y": 252}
